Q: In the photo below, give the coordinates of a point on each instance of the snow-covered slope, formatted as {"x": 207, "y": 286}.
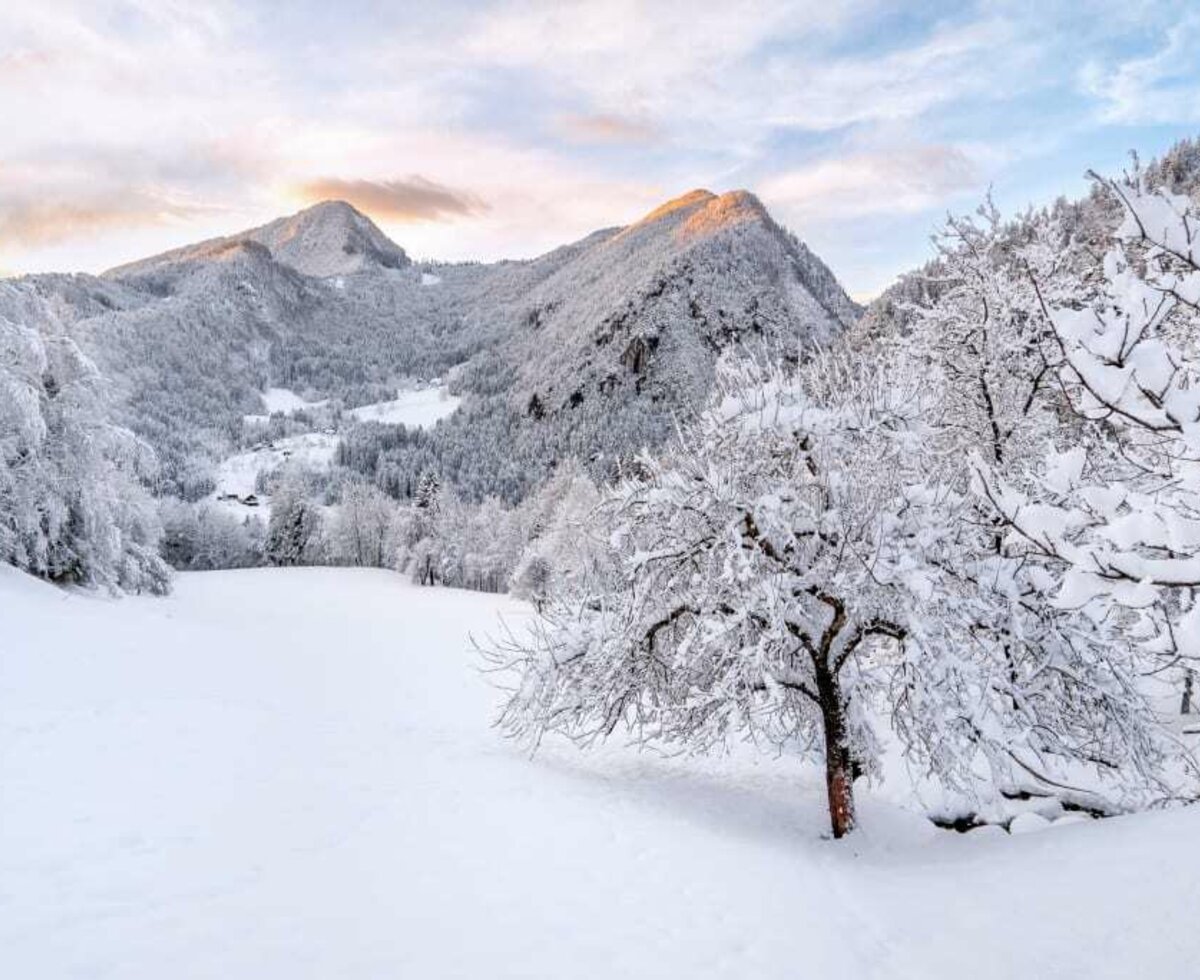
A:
{"x": 653, "y": 303}
{"x": 190, "y": 339}
{"x": 291, "y": 773}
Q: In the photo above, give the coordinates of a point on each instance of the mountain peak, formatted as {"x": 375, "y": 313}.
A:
{"x": 733, "y": 208}
{"x": 700, "y": 213}
{"x": 329, "y": 238}
{"x": 688, "y": 201}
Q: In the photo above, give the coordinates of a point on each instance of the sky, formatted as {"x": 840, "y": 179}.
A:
{"x": 485, "y": 130}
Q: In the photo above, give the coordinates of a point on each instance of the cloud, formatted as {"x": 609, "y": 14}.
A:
{"x": 902, "y": 180}
{"x": 691, "y": 67}
{"x": 412, "y": 199}
{"x": 606, "y": 128}
{"x": 31, "y": 223}
{"x": 137, "y": 125}
{"x": 53, "y": 204}
{"x": 1158, "y": 88}
{"x": 951, "y": 64}
{"x": 23, "y": 61}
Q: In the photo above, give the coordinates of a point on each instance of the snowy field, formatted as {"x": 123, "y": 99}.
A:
{"x": 237, "y": 474}
{"x": 286, "y": 400}
{"x": 418, "y": 408}
{"x": 412, "y": 408}
{"x": 290, "y": 774}
{"x": 283, "y": 400}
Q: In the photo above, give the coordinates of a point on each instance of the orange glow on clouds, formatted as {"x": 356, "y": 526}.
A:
{"x": 401, "y": 201}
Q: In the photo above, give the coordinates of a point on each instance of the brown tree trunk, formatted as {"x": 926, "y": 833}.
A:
{"x": 839, "y": 761}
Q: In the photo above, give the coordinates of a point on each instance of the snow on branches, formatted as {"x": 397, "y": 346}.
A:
{"x": 74, "y": 504}
{"x": 792, "y": 574}
{"x": 1115, "y": 520}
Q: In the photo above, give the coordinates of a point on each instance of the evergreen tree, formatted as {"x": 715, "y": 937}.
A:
{"x": 294, "y": 527}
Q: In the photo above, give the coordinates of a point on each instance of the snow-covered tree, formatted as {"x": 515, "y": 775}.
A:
{"x": 559, "y": 548}
{"x": 293, "y": 532}
{"x": 363, "y": 528}
{"x": 422, "y": 550}
{"x": 978, "y": 337}
{"x": 201, "y": 537}
{"x": 1113, "y": 518}
{"x": 426, "y": 496}
{"x": 785, "y": 578}
{"x": 74, "y": 504}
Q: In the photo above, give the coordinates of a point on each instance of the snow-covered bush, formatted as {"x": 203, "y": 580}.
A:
{"x": 445, "y": 540}
{"x": 559, "y": 548}
{"x": 202, "y": 537}
{"x": 363, "y": 528}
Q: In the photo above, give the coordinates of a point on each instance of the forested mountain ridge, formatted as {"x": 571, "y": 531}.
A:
{"x": 599, "y": 349}
{"x": 322, "y": 302}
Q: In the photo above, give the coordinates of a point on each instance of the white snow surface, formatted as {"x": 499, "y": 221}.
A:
{"x": 283, "y": 400}
{"x": 286, "y": 400}
{"x": 291, "y": 773}
{"x": 420, "y": 408}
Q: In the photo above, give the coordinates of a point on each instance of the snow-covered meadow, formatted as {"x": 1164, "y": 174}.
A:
{"x": 421, "y": 408}
{"x": 237, "y": 475}
{"x": 291, "y": 773}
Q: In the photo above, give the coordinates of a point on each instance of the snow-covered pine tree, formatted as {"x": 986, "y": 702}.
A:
{"x": 424, "y": 553}
{"x": 294, "y": 528}
{"x": 429, "y": 486}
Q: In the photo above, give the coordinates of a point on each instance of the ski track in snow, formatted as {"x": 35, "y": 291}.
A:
{"x": 290, "y": 773}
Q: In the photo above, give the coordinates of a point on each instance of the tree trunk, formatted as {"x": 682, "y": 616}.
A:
{"x": 839, "y": 761}
{"x": 1185, "y": 704}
